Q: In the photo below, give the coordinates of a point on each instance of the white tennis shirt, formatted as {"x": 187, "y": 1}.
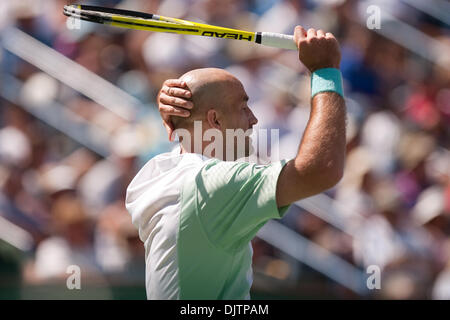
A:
{"x": 196, "y": 217}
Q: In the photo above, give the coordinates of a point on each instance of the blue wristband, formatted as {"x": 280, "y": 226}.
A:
{"x": 327, "y": 79}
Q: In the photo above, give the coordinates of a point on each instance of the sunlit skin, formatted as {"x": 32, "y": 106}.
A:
{"x": 221, "y": 103}
{"x": 320, "y": 158}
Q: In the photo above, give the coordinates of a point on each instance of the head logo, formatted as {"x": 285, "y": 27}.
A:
{"x": 228, "y": 35}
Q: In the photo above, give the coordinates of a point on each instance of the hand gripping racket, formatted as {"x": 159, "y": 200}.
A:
{"x": 152, "y": 22}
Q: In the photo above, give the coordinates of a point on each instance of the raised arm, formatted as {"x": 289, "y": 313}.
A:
{"x": 319, "y": 163}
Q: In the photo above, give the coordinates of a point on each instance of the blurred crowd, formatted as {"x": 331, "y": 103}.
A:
{"x": 395, "y": 194}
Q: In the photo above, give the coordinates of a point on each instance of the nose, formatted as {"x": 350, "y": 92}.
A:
{"x": 253, "y": 119}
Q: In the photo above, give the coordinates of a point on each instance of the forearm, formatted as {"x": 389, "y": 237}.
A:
{"x": 319, "y": 164}
{"x": 322, "y": 150}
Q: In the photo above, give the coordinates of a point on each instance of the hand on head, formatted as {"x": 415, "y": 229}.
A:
{"x": 173, "y": 100}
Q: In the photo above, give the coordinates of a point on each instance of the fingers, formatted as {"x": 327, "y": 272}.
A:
{"x": 320, "y": 33}
{"x": 175, "y": 101}
{"x": 175, "y": 83}
{"x": 329, "y": 35}
{"x": 311, "y": 33}
{"x": 170, "y": 110}
{"x": 299, "y": 34}
{"x": 319, "y": 50}
{"x": 176, "y": 88}
{"x": 176, "y": 92}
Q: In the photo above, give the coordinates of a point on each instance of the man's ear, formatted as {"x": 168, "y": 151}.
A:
{"x": 213, "y": 119}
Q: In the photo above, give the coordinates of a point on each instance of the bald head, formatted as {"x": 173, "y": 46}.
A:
{"x": 211, "y": 88}
{"x": 220, "y": 105}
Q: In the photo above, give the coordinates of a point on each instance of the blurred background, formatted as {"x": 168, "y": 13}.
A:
{"x": 78, "y": 120}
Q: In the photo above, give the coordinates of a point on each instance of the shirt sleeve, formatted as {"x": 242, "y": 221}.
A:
{"x": 235, "y": 199}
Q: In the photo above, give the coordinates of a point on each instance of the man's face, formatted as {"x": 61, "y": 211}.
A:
{"x": 221, "y": 102}
{"x": 238, "y": 116}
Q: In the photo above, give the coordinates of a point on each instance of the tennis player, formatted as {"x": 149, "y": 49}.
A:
{"x": 197, "y": 214}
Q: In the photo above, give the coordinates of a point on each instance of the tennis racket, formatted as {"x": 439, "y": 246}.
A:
{"x": 152, "y": 22}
